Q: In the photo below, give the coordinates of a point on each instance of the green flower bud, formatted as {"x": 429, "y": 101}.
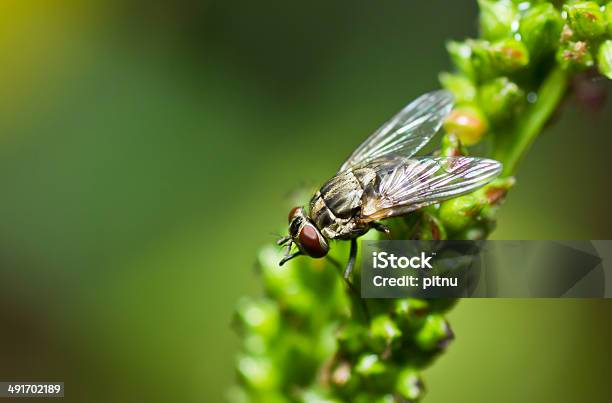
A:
{"x": 496, "y": 18}
{"x": 411, "y": 313}
{"x": 435, "y": 333}
{"x": 509, "y": 55}
{"x": 283, "y": 283}
{"x": 461, "y": 55}
{"x": 370, "y": 365}
{"x": 341, "y": 374}
{"x": 451, "y": 146}
{"x": 468, "y": 123}
{"x": 261, "y": 316}
{"x": 295, "y": 346}
{"x": 476, "y": 232}
{"x": 494, "y": 193}
{"x": 456, "y": 214}
{"x": 255, "y": 344}
{"x": 258, "y": 372}
{"x": 410, "y": 308}
{"x": 540, "y": 28}
{"x": 604, "y": 59}
{"x": 351, "y": 337}
{"x": 383, "y": 332}
{"x": 567, "y": 34}
{"x": 489, "y": 197}
{"x": 481, "y": 59}
{"x": 586, "y": 19}
{"x": 409, "y": 385}
{"x": 472, "y": 58}
{"x": 575, "y": 56}
{"x": 462, "y": 88}
{"x": 500, "y": 99}
{"x": 487, "y": 216}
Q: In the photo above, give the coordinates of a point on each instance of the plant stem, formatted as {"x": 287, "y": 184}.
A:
{"x": 533, "y": 121}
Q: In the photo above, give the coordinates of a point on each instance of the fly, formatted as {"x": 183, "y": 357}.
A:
{"x": 381, "y": 179}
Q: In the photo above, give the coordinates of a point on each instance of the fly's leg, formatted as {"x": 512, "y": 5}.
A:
{"x": 381, "y": 228}
{"x": 286, "y": 240}
{"x": 346, "y": 280}
{"x": 289, "y": 257}
{"x": 283, "y": 240}
{"x": 351, "y": 261}
{"x": 354, "y": 292}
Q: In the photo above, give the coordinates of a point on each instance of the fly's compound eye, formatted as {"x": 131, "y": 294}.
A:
{"x": 294, "y": 226}
{"x": 312, "y": 242}
{"x": 295, "y": 211}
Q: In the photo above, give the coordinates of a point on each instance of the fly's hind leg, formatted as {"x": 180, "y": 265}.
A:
{"x": 381, "y": 228}
{"x": 347, "y": 272}
{"x": 351, "y": 261}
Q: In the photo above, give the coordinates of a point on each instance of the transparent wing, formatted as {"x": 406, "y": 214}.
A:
{"x": 407, "y": 184}
{"x": 407, "y": 132}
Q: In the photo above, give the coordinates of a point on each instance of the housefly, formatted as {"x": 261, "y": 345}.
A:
{"x": 383, "y": 179}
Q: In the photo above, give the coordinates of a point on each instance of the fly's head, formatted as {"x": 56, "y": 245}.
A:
{"x": 304, "y": 234}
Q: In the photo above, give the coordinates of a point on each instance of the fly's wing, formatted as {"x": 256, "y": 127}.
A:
{"x": 407, "y": 132}
{"x": 405, "y": 184}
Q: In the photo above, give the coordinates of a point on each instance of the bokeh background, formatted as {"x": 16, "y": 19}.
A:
{"x": 149, "y": 148}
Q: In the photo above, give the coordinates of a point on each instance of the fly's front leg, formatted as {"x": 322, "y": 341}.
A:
{"x": 283, "y": 240}
{"x": 352, "y": 258}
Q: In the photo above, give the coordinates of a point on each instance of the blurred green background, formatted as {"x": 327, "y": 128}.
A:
{"x": 148, "y": 149}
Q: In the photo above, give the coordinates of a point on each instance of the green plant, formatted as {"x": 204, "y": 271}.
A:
{"x": 307, "y": 339}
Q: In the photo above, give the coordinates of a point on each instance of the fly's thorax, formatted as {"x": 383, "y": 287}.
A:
{"x": 319, "y": 213}
{"x": 336, "y": 207}
{"x": 342, "y": 194}
{"x": 332, "y": 226}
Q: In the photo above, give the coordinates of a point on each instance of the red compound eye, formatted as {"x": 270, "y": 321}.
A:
{"x": 294, "y": 211}
{"x": 312, "y": 242}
